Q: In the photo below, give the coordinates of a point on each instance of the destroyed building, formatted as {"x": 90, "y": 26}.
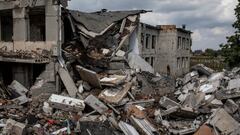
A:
{"x": 30, "y": 36}
{"x": 90, "y": 80}
{"x": 166, "y": 47}
{"x": 33, "y": 34}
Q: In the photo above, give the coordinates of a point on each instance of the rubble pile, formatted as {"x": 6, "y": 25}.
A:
{"x": 40, "y": 55}
{"x": 107, "y": 90}
{"x": 128, "y": 102}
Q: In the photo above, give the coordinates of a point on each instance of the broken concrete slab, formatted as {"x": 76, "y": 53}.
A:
{"x": 42, "y": 86}
{"x": 117, "y": 65}
{"x": 66, "y": 103}
{"x": 115, "y": 96}
{"x": 230, "y": 106}
{"x": 136, "y": 62}
{"x": 21, "y": 100}
{"x": 202, "y": 69}
{"x": 207, "y": 88}
{"x": 127, "y": 128}
{"x": 233, "y": 84}
{"x": 227, "y": 94}
{"x": 68, "y": 82}
{"x": 96, "y": 104}
{"x": 186, "y": 112}
{"x": 113, "y": 80}
{"x": 96, "y": 128}
{"x": 188, "y": 77}
{"x": 168, "y": 103}
{"x": 47, "y": 109}
{"x": 18, "y": 87}
{"x": 182, "y": 131}
{"x": 144, "y": 126}
{"x": 136, "y": 111}
{"x": 89, "y": 76}
{"x": 223, "y": 122}
{"x": 170, "y": 110}
{"x": 14, "y": 128}
{"x": 194, "y": 100}
{"x": 120, "y": 53}
{"x": 216, "y": 77}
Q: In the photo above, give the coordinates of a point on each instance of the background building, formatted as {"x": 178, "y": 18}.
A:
{"x": 166, "y": 47}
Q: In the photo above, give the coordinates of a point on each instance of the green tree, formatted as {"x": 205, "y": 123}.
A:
{"x": 231, "y": 50}
{"x": 211, "y": 52}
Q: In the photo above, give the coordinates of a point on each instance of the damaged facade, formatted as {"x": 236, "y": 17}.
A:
{"x": 30, "y": 35}
{"x": 166, "y": 47}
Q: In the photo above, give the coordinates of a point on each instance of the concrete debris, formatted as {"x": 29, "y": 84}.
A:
{"x": 202, "y": 69}
{"x": 130, "y": 102}
{"x": 68, "y": 82}
{"x": 14, "y": 128}
{"x": 21, "y": 100}
{"x": 136, "y": 111}
{"x": 66, "y": 103}
{"x": 230, "y": 106}
{"x": 144, "y": 126}
{"x": 223, "y": 122}
{"x": 168, "y": 103}
{"x": 115, "y": 95}
{"x": 113, "y": 80}
{"x": 47, "y": 109}
{"x": 127, "y": 129}
{"x": 18, "y": 88}
{"x": 96, "y": 104}
{"x": 137, "y": 63}
{"x": 89, "y": 76}
{"x": 233, "y": 84}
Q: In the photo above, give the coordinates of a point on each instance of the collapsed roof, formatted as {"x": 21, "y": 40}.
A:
{"x": 103, "y": 29}
{"x": 99, "y": 21}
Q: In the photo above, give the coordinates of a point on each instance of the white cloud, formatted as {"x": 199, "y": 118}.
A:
{"x": 210, "y": 20}
{"x": 154, "y": 18}
{"x": 197, "y": 36}
{"x": 219, "y": 31}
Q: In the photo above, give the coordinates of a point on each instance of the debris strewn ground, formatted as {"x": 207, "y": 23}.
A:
{"x": 125, "y": 101}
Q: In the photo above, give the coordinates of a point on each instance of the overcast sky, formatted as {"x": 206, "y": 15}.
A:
{"x": 210, "y": 20}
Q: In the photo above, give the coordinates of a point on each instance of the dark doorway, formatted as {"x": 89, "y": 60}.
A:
{"x": 24, "y": 73}
{"x": 168, "y": 70}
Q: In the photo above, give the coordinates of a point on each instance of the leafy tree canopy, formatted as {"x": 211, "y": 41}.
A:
{"x": 231, "y": 50}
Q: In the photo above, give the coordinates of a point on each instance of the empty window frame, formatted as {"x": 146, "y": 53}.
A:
{"x": 37, "y": 24}
{"x": 183, "y": 43}
{"x": 188, "y": 44}
{"x": 153, "y": 41}
{"x": 147, "y": 59}
{"x": 152, "y": 61}
{"x": 187, "y": 62}
{"x": 142, "y": 38}
{"x": 147, "y": 41}
{"x": 178, "y": 63}
{"x": 182, "y": 62}
{"x": 6, "y": 26}
{"x": 179, "y": 43}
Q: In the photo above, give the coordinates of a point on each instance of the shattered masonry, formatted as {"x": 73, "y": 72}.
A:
{"x": 76, "y": 74}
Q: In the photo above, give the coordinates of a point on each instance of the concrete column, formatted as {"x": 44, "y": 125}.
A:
{"x": 53, "y": 26}
{"x": 20, "y": 24}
